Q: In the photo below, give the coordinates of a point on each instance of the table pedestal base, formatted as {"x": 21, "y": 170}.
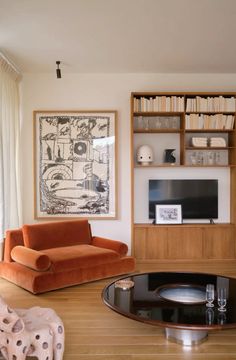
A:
{"x": 186, "y": 337}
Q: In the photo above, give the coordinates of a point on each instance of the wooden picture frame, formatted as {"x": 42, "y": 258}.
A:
{"x": 168, "y": 214}
{"x": 75, "y": 164}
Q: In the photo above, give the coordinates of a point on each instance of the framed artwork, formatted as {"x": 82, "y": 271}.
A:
{"x": 75, "y": 164}
{"x": 168, "y": 214}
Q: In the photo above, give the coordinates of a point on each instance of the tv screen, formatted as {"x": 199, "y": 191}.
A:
{"x": 199, "y": 198}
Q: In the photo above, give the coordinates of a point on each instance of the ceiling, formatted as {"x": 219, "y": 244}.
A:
{"x": 120, "y": 36}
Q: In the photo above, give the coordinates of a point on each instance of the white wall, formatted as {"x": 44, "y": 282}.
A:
{"x": 101, "y": 92}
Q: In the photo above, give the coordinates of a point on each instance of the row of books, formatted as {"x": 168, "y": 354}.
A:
{"x": 159, "y": 104}
{"x": 176, "y": 103}
{"x": 203, "y": 121}
{"x": 210, "y": 104}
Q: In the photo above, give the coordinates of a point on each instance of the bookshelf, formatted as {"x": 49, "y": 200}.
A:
{"x": 200, "y": 126}
{"x": 206, "y": 117}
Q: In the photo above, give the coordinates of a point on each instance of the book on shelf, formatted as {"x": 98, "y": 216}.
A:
{"x": 207, "y": 122}
{"x": 210, "y": 104}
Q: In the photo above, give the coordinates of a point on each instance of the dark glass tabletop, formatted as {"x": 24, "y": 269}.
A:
{"x": 172, "y": 299}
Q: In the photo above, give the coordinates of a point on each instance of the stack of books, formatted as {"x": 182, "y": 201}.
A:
{"x": 199, "y": 141}
{"x": 217, "y": 142}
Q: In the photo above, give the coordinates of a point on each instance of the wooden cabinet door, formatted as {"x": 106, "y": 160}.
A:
{"x": 150, "y": 243}
{"x": 185, "y": 243}
{"x": 156, "y": 243}
{"x": 140, "y": 235}
{"x": 219, "y": 242}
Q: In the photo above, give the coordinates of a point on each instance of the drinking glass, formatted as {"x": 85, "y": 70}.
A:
{"x": 193, "y": 158}
{"x": 210, "y": 158}
{"x": 158, "y": 123}
{"x": 210, "y": 295}
{"x": 146, "y": 123}
{"x": 200, "y": 158}
{"x": 217, "y": 158}
{"x": 140, "y": 122}
{"x": 222, "y": 299}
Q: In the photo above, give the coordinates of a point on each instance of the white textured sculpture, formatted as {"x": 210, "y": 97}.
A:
{"x": 37, "y": 332}
{"x": 144, "y": 155}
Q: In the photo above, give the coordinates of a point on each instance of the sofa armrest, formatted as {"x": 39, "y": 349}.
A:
{"x": 115, "y": 245}
{"x": 33, "y": 259}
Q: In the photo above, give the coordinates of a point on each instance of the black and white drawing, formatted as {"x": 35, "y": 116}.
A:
{"x": 75, "y": 164}
{"x": 168, "y": 214}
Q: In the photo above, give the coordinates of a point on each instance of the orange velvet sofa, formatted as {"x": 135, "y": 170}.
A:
{"x": 49, "y": 256}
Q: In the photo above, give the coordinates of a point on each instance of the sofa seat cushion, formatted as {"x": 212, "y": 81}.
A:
{"x": 79, "y": 256}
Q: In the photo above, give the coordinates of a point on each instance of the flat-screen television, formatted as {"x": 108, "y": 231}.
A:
{"x": 199, "y": 198}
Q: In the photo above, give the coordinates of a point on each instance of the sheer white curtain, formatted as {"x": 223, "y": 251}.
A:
{"x": 10, "y": 201}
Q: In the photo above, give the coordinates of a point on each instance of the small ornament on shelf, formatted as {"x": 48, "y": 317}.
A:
{"x": 145, "y": 155}
{"x": 169, "y": 156}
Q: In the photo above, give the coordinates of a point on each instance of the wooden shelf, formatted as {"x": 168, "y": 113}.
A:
{"x": 158, "y": 113}
{"x": 209, "y": 130}
{"x": 157, "y": 166}
{"x": 210, "y": 112}
{"x": 208, "y": 148}
{"x": 157, "y": 131}
{"x": 183, "y": 166}
{"x": 166, "y": 130}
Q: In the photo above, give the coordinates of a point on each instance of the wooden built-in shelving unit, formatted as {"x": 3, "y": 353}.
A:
{"x": 185, "y": 115}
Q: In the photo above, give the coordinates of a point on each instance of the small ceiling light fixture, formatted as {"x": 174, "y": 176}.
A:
{"x": 58, "y": 70}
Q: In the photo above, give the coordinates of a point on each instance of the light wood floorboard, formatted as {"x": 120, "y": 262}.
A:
{"x": 94, "y": 332}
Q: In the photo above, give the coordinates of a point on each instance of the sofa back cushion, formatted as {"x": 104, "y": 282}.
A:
{"x": 56, "y": 234}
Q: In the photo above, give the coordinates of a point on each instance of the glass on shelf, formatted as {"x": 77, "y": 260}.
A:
{"x": 141, "y": 123}
{"x": 207, "y": 158}
{"x": 146, "y": 123}
{"x": 138, "y": 123}
{"x": 158, "y": 123}
{"x": 175, "y": 122}
{"x": 200, "y": 158}
{"x": 152, "y": 123}
{"x": 165, "y": 123}
{"x": 210, "y": 158}
{"x": 217, "y": 158}
{"x": 193, "y": 158}
{"x": 213, "y": 158}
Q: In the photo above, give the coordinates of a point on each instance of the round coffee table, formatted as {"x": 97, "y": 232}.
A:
{"x": 175, "y": 301}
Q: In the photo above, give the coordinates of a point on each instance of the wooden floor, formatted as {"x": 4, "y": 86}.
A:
{"x": 94, "y": 332}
